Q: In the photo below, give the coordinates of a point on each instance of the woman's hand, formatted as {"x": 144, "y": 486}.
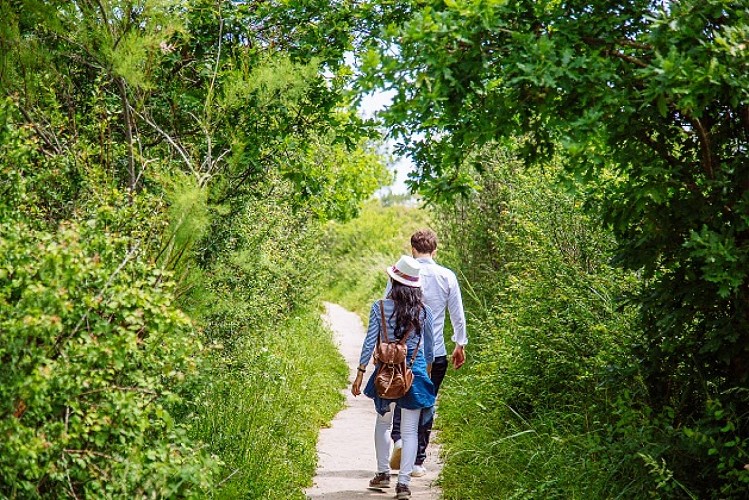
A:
{"x": 356, "y": 386}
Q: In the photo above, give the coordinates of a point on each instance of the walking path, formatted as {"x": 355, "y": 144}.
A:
{"x": 345, "y": 451}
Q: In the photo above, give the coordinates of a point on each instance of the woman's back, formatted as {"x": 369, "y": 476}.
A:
{"x": 424, "y": 336}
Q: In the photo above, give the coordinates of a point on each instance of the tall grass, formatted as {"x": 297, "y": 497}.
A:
{"x": 261, "y": 414}
{"x": 549, "y": 404}
{"x": 493, "y": 450}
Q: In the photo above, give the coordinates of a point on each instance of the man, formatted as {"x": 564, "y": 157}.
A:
{"x": 441, "y": 294}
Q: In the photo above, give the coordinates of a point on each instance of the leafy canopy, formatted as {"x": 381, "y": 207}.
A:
{"x": 647, "y": 104}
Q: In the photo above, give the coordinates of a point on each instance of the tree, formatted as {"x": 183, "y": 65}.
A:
{"x": 648, "y": 105}
{"x": 149, "y": 148}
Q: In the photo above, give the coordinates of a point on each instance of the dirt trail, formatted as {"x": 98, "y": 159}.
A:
{"x": 346, "y": 455}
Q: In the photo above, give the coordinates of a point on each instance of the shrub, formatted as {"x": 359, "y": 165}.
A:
{"x": 552, "y": 392}
{"x": 262, "y": 397}
{"x": 93, "y": 348}
{"x": 358, "y": 252}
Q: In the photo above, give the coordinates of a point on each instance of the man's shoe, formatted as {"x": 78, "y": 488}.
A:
{"x": 381, "y": 480}
{"x": 395, "y": 458}
{"x": 402, "y": 492}
{"x": 418, "y": 471}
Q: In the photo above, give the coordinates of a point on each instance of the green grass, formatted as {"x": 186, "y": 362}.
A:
{"x": 262, "y": 415}
{"x": 361, "y": 249}
{"x": 498, "y": 453}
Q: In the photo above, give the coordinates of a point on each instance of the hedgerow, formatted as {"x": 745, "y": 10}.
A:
{"x": 94, "y": 353}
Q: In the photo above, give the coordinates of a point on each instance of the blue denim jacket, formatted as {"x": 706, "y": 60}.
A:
{"x": 421, "y": 394}
{"x": 373, "y": 331}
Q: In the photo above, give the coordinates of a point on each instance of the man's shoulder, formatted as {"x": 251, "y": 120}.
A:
{"x": 444, "y": 271}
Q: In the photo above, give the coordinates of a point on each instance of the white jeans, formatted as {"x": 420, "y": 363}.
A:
{"x": 409, "y": 435}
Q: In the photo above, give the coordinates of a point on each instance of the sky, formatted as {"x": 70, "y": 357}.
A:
{"x": 370, "y": 104}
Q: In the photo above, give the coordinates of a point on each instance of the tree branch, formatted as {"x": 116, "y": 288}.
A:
{"x": 609, "y": 50}
{"x": 105, "y": 18}
{"x": 169, "y": 139}
{"x": 98, "y": 297}
{"x": 70, "y": 484}
{"x": 128, "y": 132}
{"x": 708, "y": 156}
{"x": 46, "y": 136}
{"x": 630, "y": 59}
{"x": 620, "y": 41}
{"x": 209, "y": 97}
{"x": 89, "y": 452}
{"x": 659, "y": 148}
{"x": 118, "y": 388}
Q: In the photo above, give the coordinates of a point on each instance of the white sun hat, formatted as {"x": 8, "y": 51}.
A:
{"x": 406, "y": 271}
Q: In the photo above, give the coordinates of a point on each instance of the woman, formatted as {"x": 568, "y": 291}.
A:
{"x": 405, "y": 314}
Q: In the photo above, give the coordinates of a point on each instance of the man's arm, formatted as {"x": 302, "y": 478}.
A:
{"x": 458, "y": 320}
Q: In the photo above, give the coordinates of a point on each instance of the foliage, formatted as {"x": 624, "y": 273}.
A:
{"x": 179, "y": 156}
{"x": 552, "y": 389}
{"x": 262, "y": 398}
{"x": 337, "y": 180}
{"x": 93, "y": 353}
{"x": 646, "y": 105}
{"x": 358, "y": 252}
{"x": 189, "y": 83}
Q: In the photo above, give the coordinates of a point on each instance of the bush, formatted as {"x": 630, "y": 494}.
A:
{"x": 358, "y": 252}
{"x": 93, "y": 348}
{"x": 262, "y": 397}
{"x": 552, "y": 393}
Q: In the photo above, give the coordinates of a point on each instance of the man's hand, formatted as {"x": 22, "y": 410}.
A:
{"x": 356, "y": 386}
{"x": 458, "y": 356}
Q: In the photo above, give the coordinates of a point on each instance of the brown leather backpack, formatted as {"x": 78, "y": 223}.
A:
{"x": 394, "y": 377}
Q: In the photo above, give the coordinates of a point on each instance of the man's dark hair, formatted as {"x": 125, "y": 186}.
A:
{"x": 424, "y": 241}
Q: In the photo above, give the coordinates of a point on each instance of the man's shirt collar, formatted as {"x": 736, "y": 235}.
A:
{"x": 426, "y": 260}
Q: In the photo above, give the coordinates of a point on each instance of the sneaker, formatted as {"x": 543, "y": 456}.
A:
{"x": 381, "y": 480}
{"x": 418, "y": 471}
{"x": 402, "y": 492}
{"x": 395, "y": 458}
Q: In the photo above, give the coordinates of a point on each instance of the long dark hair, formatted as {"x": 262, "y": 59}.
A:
{"x": 408, "y": 306}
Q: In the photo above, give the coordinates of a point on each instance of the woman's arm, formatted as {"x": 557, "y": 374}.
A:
{"x": 370, "y": 340}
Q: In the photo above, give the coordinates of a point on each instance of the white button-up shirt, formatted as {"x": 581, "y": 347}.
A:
{"x": 442, "y": 294}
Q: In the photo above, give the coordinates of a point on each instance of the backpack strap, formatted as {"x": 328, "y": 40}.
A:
{"x": 383, "y": 337}
{"x": 418, "y": 344}
{"x": 416, "y": 351}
